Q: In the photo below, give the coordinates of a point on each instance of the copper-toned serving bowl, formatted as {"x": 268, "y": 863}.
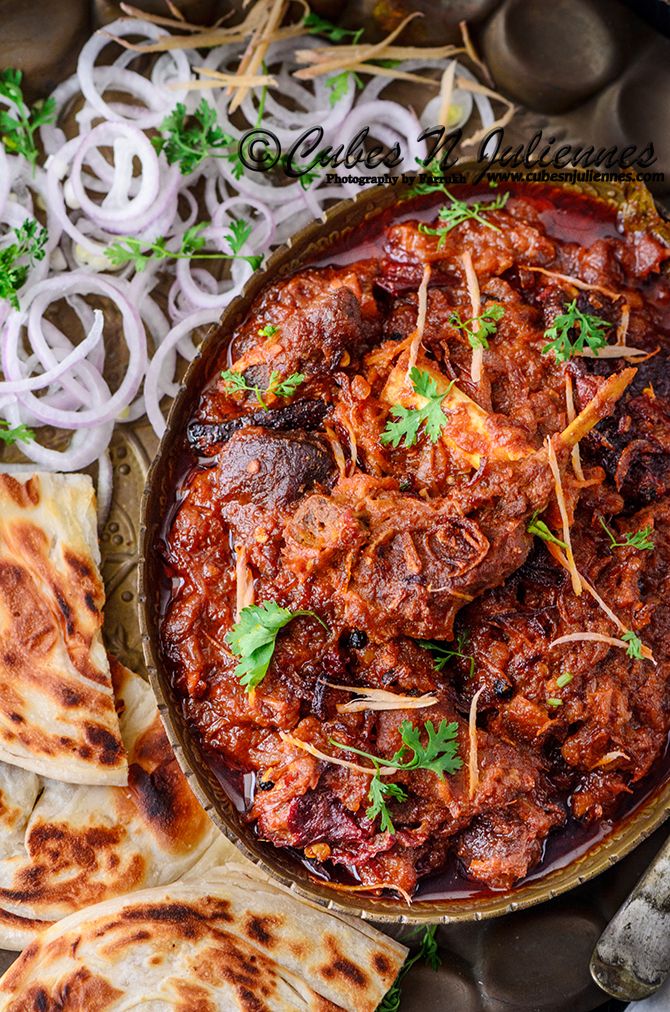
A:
{"x": 339, "y": 226}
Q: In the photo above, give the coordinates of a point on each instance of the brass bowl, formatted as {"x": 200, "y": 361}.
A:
{"x": 312, "y": 244}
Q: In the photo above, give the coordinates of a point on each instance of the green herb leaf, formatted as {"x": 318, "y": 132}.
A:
{"x": 428, "y": 952}
{"x": 442, "y": 652}
{"x": 235, "y": 382}
{"x": 458, "y": 211}
{"x": 269, "y": 330}
{"x": 439, "y": 754}
{"x": 316, "y": 25}
{"x": 338, "y": 84}
{"x": 634, "y": 645}
{"x": 188, "y": 140}
{"x": 140, "y": 253}
{"x": 554, "y": 701}
{"x": 30, "y": 245}
{"x": 640, "y": 539}
{"x": 479, "y": 329}
{"x": 11, "y": 435}
{"x": 564, "y": 679}
{"x": 286, "y": 387}
{"x": 18, "y": 126}
{"x": 585, "y": 329}
{"x": 410, "y": 420}
{"x": 540, "y": 530}
{"x": 254, "y": 636}
{"x": 378, "y": 792}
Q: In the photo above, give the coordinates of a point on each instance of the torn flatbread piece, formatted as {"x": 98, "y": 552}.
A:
{"x": 230, "y": 940}
{"x": 57, "y": 714}
{"x": 66, "y": 846}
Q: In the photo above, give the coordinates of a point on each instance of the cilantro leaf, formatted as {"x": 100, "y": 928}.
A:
{"x": 140, "y": 253}
{"x": 11, "y": 435}
{"x": 378, "y": 792}
{"x": 286, "y": 387}
{"x": 30, "y": 245}
{"x": 317, "y": 25}
{"x": 428, "y": 951}
{"x": 458, "y": 211}
{"x": 338, "y": 84}
{"x": 18, "y": 128}
{"x": 585, "y": 328}
{"x": 188, "y": 140}
{"x": 478, "y": 329}
{"x": 639, "y": 539}
{"x": 409, "y": 420}
{"x": 442, "y": 652}
{"x": 439, "y": 754}
{"x": 253, "y": 639}
{"x": 634, "y": 645}
{"x": 269, "y": 330}
{"x": 540, "y": 530}
{"x": 235, "y": 382}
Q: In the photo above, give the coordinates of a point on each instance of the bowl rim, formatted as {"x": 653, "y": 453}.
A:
{"x": 297, "y": 253}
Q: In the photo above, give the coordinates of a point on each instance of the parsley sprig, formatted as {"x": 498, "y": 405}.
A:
{"x": 235, "y": 382}
{"x": 19, "y": 433}
{"x": 572, "y": 331}
{"x": 409, "y": 420}
{"x": 187, "y": 140}
{"x": 443, "y": 652}
{"x": 18, "y": 126}
{"x": 478, "y": 329}
{"x": 140, "y": 253}
{"x": 455, "y": 213}
{"x": 439, "y": 755}
{"x": 540, "y": 530}
{"x": 30, "y": 245}
{"x": 639, "y": 539}
{"x": 253, "y": 638}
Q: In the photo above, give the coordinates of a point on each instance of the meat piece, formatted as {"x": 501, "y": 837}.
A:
{"x": 269, "y": 469}
{"x": 307, "y": 415}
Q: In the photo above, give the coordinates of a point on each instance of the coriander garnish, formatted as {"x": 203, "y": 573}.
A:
{"x": 317, "y": 25}
{"x": 442, "y": 652}
{"x": 140, "y": 253}
{"x": 634, "y": 645}
{"x": 19, "y": 123}
{"x": 564, "y": 679}
{"x": 478, "y": 329}
{"x": 13, "y": 435}
{"x": 639, "y": 539}
{"x": 410, "y": 420}
{"x": 269, "y": 330}
{"x": 338, "y": 84}
{"x": 235, "y": 382}
{"x": 31, "y": 239}
{"x": 439, "y": 755}
{"x": 253, "y": 638}
{"x": 188, "y": 140}
{"x": 540, "y": 530}
{"x": 429, "y": 952}
{"x": 587, "y": 330}
{"x": 458, "y": 211}
{"x": 554, "y": 701}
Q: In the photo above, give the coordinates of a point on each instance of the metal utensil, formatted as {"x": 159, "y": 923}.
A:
{"x": 632, "y": 957}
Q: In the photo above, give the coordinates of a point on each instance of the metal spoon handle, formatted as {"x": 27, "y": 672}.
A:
{"x": 632, "y": 957}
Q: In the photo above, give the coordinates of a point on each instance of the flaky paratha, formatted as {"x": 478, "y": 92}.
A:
{"x": 65, "y": 846}
{"x": 229, "y": 940}
{"x": 57, "y": 715}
